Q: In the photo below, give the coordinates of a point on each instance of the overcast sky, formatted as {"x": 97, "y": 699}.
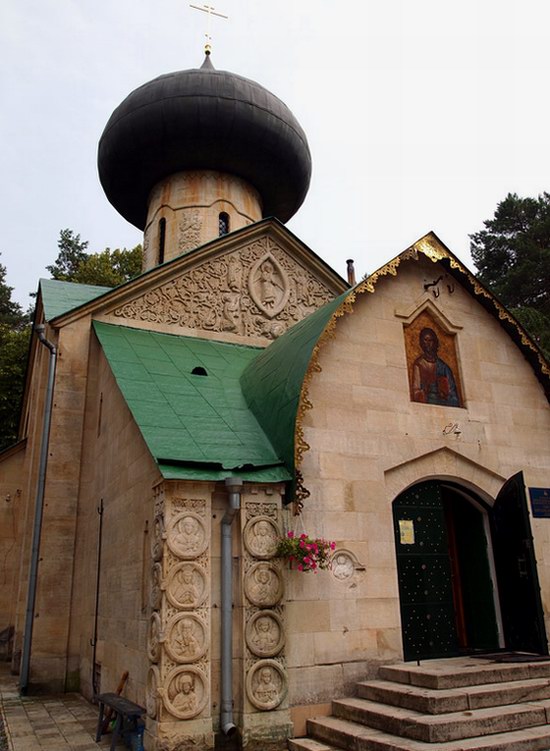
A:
{"x": 420, "y": 115}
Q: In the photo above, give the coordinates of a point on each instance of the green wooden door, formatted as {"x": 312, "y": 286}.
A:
{"x": 424, "y": 571}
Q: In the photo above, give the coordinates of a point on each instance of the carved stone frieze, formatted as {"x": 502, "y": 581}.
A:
{"x": 157, "y": 538}
{"x": 154, "y": 638}
{"x": 263, "y": 585}
{"x": 266, "y": 684}
{"x": 265, "y": 634}
{"x": 261, "y": 537}
{"x": 186, "y": 535}
{"x": 258, "y": 290}
{"x": 155, "y": 597}
{"x": 257, "y": 508}
{"x": 186, "y": 586}
{"x": 185, "y": 695}
{"x": 189, "y": 229}
{"x": 186, "y": 638}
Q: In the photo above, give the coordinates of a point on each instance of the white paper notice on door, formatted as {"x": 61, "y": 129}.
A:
{"x": 406, "y": 531}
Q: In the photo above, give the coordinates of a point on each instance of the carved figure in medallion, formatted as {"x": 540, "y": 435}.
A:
{"x": 186, "y": 535}
{"x": 157, "y": 540}
{"x": 264, "y": 585}
{"x": 186, "y": 640}
{"x": 186, "y": 694}
{"x": 186, "y": 586}
{"x": 268, "y": 285}
{"x": 342, "y": 566}
{"x": 265, "y": 685}
{"x": 151, "y": 696}
{"x": 265, "y": 634}
{"x": 260, "y": 537}
{"x": 155, "y": 596}
{"x": 154, "y": 638}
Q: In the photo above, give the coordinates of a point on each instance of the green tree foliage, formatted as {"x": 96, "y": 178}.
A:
{"x": 512, "y": 255}
{"x": 14, "y": 343}
{"x": 108, "y": 268}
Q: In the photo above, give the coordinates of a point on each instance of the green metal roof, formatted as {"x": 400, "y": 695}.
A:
{"x": 272, "y": 382}
{"x": 201, "y": 423}
{"x": 61, "y": 297}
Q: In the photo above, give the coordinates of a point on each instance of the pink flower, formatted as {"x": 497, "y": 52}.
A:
{"x": 303, "y": 536}
{"x": 300, "y": 567}
{"x": 290, "y": 534}
{"x": 332, "y": 545}
{"x": 302, "y": 544}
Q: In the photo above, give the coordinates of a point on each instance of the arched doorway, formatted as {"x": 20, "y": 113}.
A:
{"x": 467, "y": 576}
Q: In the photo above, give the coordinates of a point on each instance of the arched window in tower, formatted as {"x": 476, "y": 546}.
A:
{"x": 223, "y": 223}
{"x": 162, "y": 239}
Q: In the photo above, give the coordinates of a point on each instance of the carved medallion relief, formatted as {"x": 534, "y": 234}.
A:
{"x": 264, "y": 585}
{"x": 258, "y": 290}
{"x": 260, "y": 537}
{"x": 186, "y": 638}
{"x": 186, "y": 694}
{"x": 265, "y": 634}
{"x": 266, "y": 684}
{"x": 187, "y": 536}
{"x": 186, "y": 587}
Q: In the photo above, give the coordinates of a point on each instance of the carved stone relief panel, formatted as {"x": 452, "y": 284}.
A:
{"x": 264, "y": 585}
{"x": 266, "y": 685}
{"x": 151, "y": 695}
{"x": 187, "y": 536}
{"x": 189, "y": 229}
{"x": 155, "y": 597}
{"x": 186, "y": 586}
{"x": 260, "y": 537}
{"x": 186, "y": 638}
{"x": 257, "y": 290}
{"x": 154, "y": 638}
{"x": 185, "y": 695}
{"x": 265, "y": 634}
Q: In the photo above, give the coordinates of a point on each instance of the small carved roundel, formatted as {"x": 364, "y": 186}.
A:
{"x": 155, "y": 596}
{"x": 261, "y": 537}
{"x": 264, "y": 585}
{"x": 187, "y": 537}
{"x": 154, "y": 638}
{"x": 186, "y": 586}
{"x": 151, "y": 698}
{"x": 185, "y": 695}
{"x": 265, "y": 634}
{"x": 266, "y": 684}
{"x": 185, "y": 638}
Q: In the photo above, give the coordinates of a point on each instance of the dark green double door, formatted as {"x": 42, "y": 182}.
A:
{"x": 446, "y": 583}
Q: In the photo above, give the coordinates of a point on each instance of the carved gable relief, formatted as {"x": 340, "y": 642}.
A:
{"x": 189, "y": 229}
{"x": 258, "y": 290}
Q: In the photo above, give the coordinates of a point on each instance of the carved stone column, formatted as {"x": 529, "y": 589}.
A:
{"x": 266, "y": 718}
{"x": 178, "y": 685}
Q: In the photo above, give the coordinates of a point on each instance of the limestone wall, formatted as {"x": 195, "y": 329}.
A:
{"x": 368, "y": 442}
{"x": 118, "y": 473}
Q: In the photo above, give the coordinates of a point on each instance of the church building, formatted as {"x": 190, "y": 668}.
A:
{"x": 176, "y": 428}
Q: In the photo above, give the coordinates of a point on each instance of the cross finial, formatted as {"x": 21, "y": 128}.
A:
{"x": 210, "y": 11}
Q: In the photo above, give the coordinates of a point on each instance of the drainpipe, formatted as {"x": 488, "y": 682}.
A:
{"x": 37, "y": 528}
{"x": 93, "y": 640}
{"x": 234, "y": 496}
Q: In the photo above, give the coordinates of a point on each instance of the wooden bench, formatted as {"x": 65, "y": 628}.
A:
{"x": 125, "y": 714}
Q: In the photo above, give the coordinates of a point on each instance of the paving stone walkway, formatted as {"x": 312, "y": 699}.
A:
{"x": 57, "y": 723}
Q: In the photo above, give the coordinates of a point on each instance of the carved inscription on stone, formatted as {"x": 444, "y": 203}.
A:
{"x": 185, "y": 638}
{"x": 186, "y": 588}
{"x": 257, "y": 290}
{"x": 260, "y": 537}
{"x": 264, "y": 585}
{"x": 265, "y": 635}
{"x": 187, "y": 536}
{"x": 266, "y": 684}
{"x": 186, "y": 694}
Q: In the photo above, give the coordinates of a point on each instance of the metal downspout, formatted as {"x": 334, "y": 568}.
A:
{"x": 233, "y": 486}
{"x": 37, "y": 528}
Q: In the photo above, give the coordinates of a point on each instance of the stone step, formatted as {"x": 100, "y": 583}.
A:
{"x": 438, "y": 701}
{"x": 440, "y": 728}
{"x": 457, "y": 673}
{"x": 335, "y": 734}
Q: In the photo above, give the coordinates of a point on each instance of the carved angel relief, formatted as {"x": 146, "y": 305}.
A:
{"x": 257, "y": 290}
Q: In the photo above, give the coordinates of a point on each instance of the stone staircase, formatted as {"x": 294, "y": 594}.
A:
{"x": 462, "y": 704}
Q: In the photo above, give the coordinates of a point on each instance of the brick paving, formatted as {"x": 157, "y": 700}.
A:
{"x": 57, "y": 723}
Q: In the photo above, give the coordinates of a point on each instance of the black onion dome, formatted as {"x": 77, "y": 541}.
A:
{"x": 203, "y": 119}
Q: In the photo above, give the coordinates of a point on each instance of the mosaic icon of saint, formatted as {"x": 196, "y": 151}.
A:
{"x": 433, "y": 380}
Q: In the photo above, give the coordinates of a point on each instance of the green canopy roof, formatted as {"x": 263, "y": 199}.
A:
{"x": 61, "y": 297}
{"x": 196, "y": 426}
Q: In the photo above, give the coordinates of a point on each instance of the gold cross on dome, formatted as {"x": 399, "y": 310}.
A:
{"x": 210, "y": 11}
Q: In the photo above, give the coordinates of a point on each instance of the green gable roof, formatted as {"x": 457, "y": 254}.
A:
{"x": 272, "y": 382}
{"x": 61, "y": 297}
{"x": 202, "y": 423}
